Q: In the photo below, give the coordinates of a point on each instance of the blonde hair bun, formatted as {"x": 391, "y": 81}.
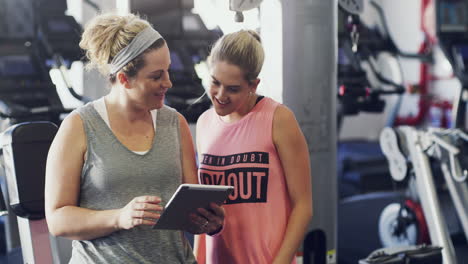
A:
{"x": 105, "y": 35}
{"x": 243, "y": 49}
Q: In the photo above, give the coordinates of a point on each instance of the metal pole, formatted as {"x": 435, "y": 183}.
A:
{"x": 309, "y": 89}
{"x": 438, "y": 231}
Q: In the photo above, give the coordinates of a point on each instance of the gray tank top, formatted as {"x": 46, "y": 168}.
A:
{"x": 113, "y": 175}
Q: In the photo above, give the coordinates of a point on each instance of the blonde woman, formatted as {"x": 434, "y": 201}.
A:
{"x": 116, "y": 161}
{"x": 255, "y": 144}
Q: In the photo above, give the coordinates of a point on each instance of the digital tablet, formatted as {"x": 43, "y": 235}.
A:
{"x": 186, "y": 199}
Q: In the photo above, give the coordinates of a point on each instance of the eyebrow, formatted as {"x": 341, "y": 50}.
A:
{"x": 232, "y": 85}
{"x": 160, "y": 70}
{"x": 156, "y": 73}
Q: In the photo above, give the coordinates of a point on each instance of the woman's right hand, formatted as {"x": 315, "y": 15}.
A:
{"x": 142, "y": 210}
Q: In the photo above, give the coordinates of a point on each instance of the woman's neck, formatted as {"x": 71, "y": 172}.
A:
{"x": 119, "y": 105}
{"x": 245, "y": 109}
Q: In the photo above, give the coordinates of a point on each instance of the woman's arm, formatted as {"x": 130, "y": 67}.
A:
{"x": 294, "y": 155}
{"x": 63, "y": 171}
{"x": 189, "y": 166}
{"x": 214, "y": 217}
{"x": 199, "y": 248}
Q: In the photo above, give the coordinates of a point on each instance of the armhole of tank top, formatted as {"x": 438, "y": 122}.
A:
{"x": 85, "y": 157}
{"x": 275, "y": 106}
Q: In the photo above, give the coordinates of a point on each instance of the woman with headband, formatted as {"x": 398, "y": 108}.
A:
{"x": 116, "y": 161}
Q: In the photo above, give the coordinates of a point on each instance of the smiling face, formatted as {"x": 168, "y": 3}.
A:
{"x": 230, "y": 92}
{"x": 148, "y": 88}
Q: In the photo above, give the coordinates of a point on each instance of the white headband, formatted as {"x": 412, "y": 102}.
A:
{"x": 140, "y": 43}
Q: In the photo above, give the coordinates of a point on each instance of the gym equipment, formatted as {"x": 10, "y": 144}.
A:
{"x": 50, "y": 40}
{"x": 357, "y": 44}
{"x": 405, "y": 223}
{"x": 423, "y": 254}
{"x": 240, "y": 6}
{"x": 409, "y": 149}
{"x": 354, "y": 7}
{"x": 404, "y": 144}
{"x": 398, "y": 225}
{"x": 363, "y": 179}
{"x": 3, "y": 208}
{"x": 26, "y": 91}
{"x": 361, "y": 168}
{"x": 25, "y": 147}
{"x": 37, "y": 37}
{"x": 361, "y": 45}
{"x": 360, "y": 213}
{"x": 452, "y": 25}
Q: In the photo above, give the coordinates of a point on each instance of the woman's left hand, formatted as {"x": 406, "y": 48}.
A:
{"x": 207, "y": 221}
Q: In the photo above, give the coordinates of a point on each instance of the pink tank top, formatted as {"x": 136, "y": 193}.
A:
{"x": 242, "y": 154}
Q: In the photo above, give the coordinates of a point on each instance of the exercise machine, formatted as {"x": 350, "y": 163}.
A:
{"x": 364, "y": 179}
{"x": 446, "y": 147}
{"x": 452, "y": 33}
{"x": 398, "y": 220}
{"x": 435, "y": 208}
{"x": 361, "y": 89}
{"x": 25, "y": 147}
{"x": 37, "y": 36}
{"x": 408, "y": 151}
